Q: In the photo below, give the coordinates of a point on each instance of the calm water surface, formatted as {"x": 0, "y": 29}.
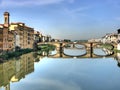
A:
{"x": 60, "y": 73}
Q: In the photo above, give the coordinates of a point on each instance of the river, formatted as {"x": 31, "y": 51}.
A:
{"x": 37, "y": 72}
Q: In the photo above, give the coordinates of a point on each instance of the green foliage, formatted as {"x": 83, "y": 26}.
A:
{"x": 116, "y": 51}
{"x": 15, "y": 54}
{"x": 107, "y": 46}
{"x": 67, "y": 46}
{"x": 67, "y": 40}
{"x": 81, "y": 41}
{"x": 46, "y": 47}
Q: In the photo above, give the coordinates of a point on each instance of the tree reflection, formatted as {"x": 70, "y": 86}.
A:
{"x": 117, "y": 57}
{"x": 118, "y": 64}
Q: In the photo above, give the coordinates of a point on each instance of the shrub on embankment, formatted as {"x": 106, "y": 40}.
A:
{"x": 45, "y": 47}
{"x": 107, "y": 46}
{"x": 18, "y": 53}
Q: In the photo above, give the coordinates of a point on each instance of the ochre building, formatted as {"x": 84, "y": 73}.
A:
{"x": 14, "y": 35}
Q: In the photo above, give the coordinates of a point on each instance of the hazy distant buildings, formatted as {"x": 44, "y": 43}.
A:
{"x": 48, "y": 38}
{"x": 37, "y": 36}
{"x": 118, "y": 45}
{"x": 110, "y": 38}
{"x": 94, "y": 40}
{"x": 119, "y": 35}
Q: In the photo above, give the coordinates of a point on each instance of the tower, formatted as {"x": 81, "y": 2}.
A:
{"x": 5, "y": 31}
{"x": 6, "y": 19}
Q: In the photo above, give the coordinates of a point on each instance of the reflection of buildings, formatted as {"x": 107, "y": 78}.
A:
{"x": 14, "y": 70}
{"x": 118, "y": 59}
{"x": 107, "y": 51}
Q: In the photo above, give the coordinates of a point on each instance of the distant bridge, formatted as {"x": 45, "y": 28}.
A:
{"x": 87, "y": 45}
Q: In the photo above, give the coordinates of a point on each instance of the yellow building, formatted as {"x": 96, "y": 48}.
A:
{"x": 24, "y": 35}
{"x": 28, "y": 37}
{"x": 18, "y": 29}
{"x": 11, "y": 41}
{"x": 15, "y": 35}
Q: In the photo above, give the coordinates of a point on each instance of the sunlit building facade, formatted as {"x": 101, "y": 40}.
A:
{"x": 6, "y": 37}
{"x": 24, "y": 35}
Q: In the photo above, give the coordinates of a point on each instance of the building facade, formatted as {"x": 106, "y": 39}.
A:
{"x": 24, "y": 35}
{"x": 6, "y": 37}
{"x": 14, "y": 35}
{"x": 110, "y": 38}
{"x": 18, "y": 35}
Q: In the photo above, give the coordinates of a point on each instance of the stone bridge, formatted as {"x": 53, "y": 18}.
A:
{"x": 88, "y": 46}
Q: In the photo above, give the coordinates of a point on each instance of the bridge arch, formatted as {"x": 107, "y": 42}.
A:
{"x": 109, "y": 44}
{"x": 85, "y": 46}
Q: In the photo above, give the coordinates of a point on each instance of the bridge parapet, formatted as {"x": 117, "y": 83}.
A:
{"x": 86, "y": 44}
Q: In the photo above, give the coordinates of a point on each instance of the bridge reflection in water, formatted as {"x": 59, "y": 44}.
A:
{"x": 16, "y": 69}
{"x": 89, "y": 47}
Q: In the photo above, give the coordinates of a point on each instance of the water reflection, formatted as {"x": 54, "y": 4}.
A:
{"x": 74, "y": 52}
{"x": 117, "y": 57}
{"x": 102, "y": 52}
{"x": 77, "y": 53}
{"x": 15, "y": 69}
{"x": 78, "y": 46}
{"x": 60, "y": 73}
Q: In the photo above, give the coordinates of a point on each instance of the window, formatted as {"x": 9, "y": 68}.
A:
{"x": 5, "y": 19}
{"x": 28, "y": 42}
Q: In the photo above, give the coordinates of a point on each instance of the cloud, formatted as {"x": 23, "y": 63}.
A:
{"x": 54, "y": 84}
{"x": 117, "y": 18}
{"x": 114, "y": 3}
{"x": 80, "y": 9}
{"x": 14, "y": 3}
{"x": 76, "y": 12}
{"x": 71, "y": 1}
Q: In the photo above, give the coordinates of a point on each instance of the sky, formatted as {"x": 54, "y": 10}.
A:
{"x": 66, "y": 19}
